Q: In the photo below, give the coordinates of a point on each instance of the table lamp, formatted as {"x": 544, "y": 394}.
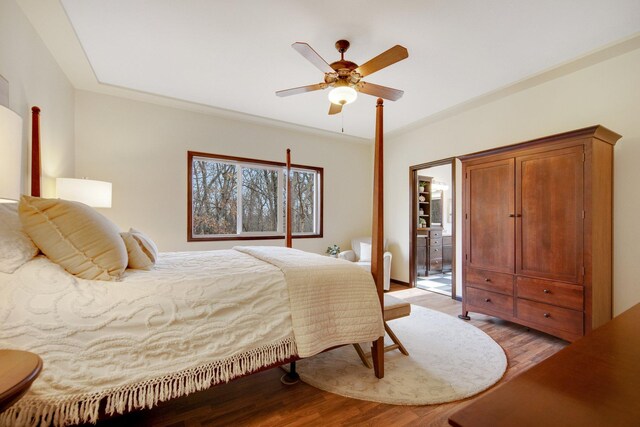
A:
{"x": 10, "y": 155}
{"x": 96, "y": 194}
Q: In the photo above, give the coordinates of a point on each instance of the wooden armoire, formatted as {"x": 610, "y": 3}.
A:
{"x": 537, "y": 232}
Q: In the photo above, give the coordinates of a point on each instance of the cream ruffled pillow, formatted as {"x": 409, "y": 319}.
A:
{"x": 74, "y": 236}
{"x": 142, "y": 251}
{"x": 16, "y": 247}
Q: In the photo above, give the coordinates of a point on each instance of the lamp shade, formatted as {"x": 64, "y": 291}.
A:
{"x": 93, "y": 193}
{"x": 10, "y": 155}
{"x": 342, "y": 95}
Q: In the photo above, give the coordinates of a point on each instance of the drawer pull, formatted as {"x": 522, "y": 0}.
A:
{"x": 486, "y": 279}
{"x": 546, "y": 291}
{"x": 487, "y": 300}
{"x": 546, "y": 315}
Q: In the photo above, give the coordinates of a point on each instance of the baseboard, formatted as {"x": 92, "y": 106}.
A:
{"x": 400, "y": 282}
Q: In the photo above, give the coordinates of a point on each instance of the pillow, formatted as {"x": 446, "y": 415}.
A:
{"x": 365, "y": 252}
{"x": 74, "y": 236}
{"x": 143, "y": 253}
{"x": 16, "y": 247}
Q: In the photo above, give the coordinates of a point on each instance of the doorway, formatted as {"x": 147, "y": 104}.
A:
{"x": 432, "y": 227}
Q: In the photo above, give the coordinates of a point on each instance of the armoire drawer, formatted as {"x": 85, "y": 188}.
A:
{"x": 491, "y": 302}
{"x": 555, "y": 293}
{"x": 435, "y": 252}
{"x": 490, "y": 280}
{"x": 550, "y": 316}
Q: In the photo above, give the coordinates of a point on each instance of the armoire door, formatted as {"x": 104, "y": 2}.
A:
{"x": 489, "y": 216}
{"x": 549, "y": 223}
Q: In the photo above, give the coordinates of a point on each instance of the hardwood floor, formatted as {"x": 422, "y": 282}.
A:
{"x": 261, "y": 400}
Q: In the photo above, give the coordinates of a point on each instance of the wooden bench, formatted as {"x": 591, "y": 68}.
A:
{"x": 394, "y": 308}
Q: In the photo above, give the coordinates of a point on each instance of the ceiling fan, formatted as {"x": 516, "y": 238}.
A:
{"x": 345, "y": 77}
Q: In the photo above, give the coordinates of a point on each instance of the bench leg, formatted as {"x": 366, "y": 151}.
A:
{"x": 397, "y": 345}
{"x": 395, "y": 339}
{"x": 363, "y": 356}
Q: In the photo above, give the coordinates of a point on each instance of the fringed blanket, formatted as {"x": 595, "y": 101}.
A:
{"x": 197, "y": 319}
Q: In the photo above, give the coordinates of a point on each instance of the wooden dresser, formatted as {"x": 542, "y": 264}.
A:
{"x": 434, "y": 250}
{"x": 537, "y": 232}
{"x": 430, "y": 251}
{"x": 590, "y": 383}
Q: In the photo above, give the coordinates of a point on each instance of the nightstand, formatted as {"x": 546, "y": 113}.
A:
{"x": 18, "y": 369}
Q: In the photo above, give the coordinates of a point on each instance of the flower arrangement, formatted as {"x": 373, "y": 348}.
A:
{"x": 333, "y": 250}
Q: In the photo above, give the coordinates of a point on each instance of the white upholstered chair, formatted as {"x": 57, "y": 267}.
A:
{"x": 360, "y": 253}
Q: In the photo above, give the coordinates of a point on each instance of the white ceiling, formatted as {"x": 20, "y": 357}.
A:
{"x": 235, "y": 54}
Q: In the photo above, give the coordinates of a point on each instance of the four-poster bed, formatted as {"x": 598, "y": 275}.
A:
{"x": 309, "y": 337}
{"x": 35, "y": 152}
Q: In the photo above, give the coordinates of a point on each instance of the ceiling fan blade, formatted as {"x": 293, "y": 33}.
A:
{"x": 381, "y": 91}
{"x": 301, "y": 89}
{"x": 391, "y": 56}
{"x": 312, "y": 56}
{"x": 335, "y": 108}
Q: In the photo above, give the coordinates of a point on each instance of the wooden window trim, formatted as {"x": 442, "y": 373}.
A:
{"x": 192, "y": 238}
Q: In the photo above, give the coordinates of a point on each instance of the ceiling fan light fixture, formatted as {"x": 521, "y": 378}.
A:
{"x": 342, "y": 95}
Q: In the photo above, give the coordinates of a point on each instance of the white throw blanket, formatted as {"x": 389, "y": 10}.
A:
{"x": 196, "y": 319}
{"x": 333, "y": 302}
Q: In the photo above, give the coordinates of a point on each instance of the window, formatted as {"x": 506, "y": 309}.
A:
{"x": 232, "y": 198}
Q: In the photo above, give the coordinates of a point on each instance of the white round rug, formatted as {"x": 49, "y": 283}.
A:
{"x": 448, "y": 360}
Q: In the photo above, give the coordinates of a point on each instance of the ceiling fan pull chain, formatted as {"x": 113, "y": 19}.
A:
{"x": 342, "y": 115}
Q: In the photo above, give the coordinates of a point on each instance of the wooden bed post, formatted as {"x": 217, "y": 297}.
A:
{"x": 377, "y": 237}
{"x": 291, "y": 377}
{"x": 35, "y": 152}
{"x": 289, "y": 242}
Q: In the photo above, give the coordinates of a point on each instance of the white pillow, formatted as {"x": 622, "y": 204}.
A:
{"x": 365, "y": 252}
{"x": 142, "y": 251}
{"x": 74, "y": 236}
{"x": 149, "y": 244}
{"x": 16, "y": 247}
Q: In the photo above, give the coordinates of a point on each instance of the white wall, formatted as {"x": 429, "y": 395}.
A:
{"x": 36, "y": 79}
{"x": 606, "y": 93}
{"x": 142, "y": 148}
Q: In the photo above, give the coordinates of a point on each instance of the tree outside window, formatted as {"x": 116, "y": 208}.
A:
{"x": 235, "y": 198}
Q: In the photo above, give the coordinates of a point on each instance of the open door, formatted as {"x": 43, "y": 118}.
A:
{"x": 432, "y": 227}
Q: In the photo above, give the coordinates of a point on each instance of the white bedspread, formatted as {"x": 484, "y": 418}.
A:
{"x": 196, "y": 319}
{"x": 333, "y": 302}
